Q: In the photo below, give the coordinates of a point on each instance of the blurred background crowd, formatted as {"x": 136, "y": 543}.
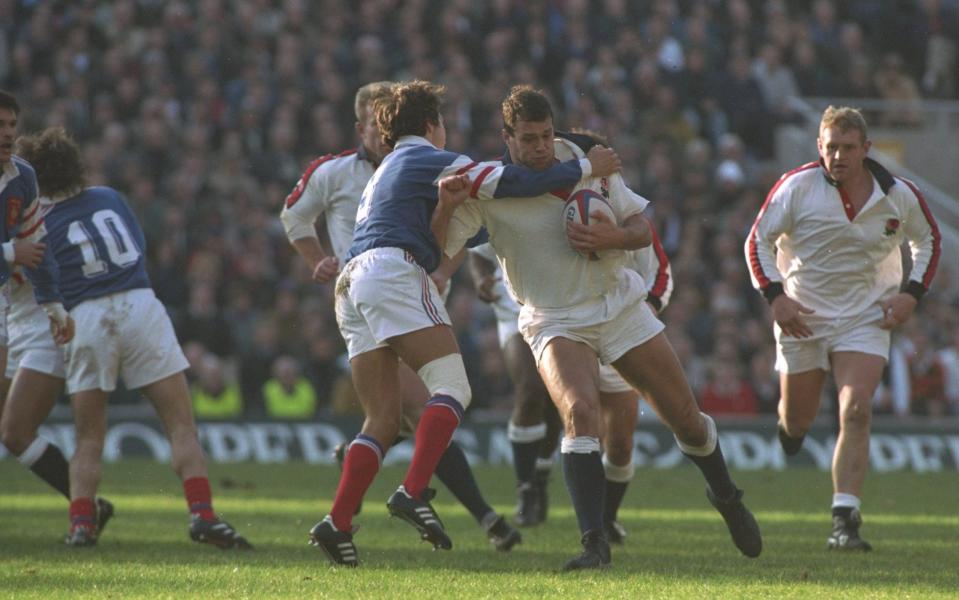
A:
{"x": 204, "y": 114}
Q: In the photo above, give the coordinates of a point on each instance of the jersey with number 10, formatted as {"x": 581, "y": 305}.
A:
{"x": 98, "y": 244}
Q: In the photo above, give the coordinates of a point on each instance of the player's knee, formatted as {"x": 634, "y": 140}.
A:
{"x": 619, "y": 449}
{"x": 447, "y": 376}
{"x": 856, "y": 415}
{"x": 15, "y": 440}
{"x": 584, "y": 413}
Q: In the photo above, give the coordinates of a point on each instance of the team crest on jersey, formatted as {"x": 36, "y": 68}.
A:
{"x": 13, "y": 212}
{"x": 892, "y": 226}
{"x": 604, "y": 187}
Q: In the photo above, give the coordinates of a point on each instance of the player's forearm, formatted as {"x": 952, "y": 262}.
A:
{"x": 636, "y": 233}
{"x": 311, "y": 251}
{"x": 519, "y": 182}
{"x": 440, "y": 222}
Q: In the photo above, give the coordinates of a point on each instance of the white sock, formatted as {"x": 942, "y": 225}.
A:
{"x": 846, "y": 500}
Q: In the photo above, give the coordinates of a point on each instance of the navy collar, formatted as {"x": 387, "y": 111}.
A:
{"x": 882, "y": 175}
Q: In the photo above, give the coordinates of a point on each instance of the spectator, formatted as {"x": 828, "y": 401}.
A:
{"x": 214, "y": 397}
{"x": 289, "y": 395}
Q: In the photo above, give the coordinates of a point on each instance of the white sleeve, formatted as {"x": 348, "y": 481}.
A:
{"x": 773, "y": 220}
{"x": 307, "y": 201}
{"x": 925, "y": 241}
{"x": 625, "y": 202}
{"x": 466, "y": 222}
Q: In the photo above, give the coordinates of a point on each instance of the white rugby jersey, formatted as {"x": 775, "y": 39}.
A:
{"x": 529, "y": 237}
{"x": 807, "y": 242}
{"x": 331, "y": 185}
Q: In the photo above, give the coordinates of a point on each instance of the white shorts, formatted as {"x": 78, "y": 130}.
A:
{"x": 127, "y": 334}
{"x": 859, "y": 334}
{"x": 610, "y": 381}
{"x": 611, "y": 325}
{"x": 381, "y": 294}
{"x": 31, "y": 343}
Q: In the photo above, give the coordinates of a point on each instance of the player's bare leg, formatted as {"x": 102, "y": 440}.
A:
{"x": 433, "y": 353}
{"x": 654, "y": 369}
{"x": 170, "y": 398}
{"x": 90, "y": 420}
{"x": 800, "y": 396}
{"x": 857, "y": 376}
{"x": 570, "y": 371}
{"x": 31, "y": 397}
{"x": 620, "y": 412}
{"x": 453, "y": 469}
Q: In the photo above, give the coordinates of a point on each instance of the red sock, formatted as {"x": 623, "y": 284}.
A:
{"x": 199, "y": 498}
{"x": 83, "y": 513}
{"x": 359, "y": 468}
{"x": 433, "y": 435}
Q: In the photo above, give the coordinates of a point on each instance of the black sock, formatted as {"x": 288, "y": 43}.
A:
{"x": 53, "y": 468}
{"x": 615, "y": 490}
{"x": 524, "y": 459}
{"x": 714, "y": 470}
{"x": 455, "y": 473}
{"x": 586, "y": 482}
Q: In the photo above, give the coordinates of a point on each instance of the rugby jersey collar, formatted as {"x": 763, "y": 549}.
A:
{"x": 413, "y": 140}
{"x": 9, "y": 172}
{"x": 882, "y": 175}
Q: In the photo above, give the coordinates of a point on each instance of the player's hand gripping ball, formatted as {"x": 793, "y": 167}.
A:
{"x": 582, "y": 207}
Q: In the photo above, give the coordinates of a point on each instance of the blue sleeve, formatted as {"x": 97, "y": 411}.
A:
{"x": 520, "y": 182}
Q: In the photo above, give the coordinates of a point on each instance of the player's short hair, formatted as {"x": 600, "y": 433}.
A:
{"x": 408, "y": 109}
{"x": 597, "y": 138}
{"x": 56, "y": 159}
{"x": 9, "y": 102}
{"x": 525, "y": 104}
{"x": 845, "y": 118}
{"x": 369, "y": 93}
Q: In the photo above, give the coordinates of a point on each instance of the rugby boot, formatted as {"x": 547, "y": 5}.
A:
{"x": 218, "y": 533}
{"x": 81, "y": 536}
{"x": 741, "y": 523}
{"x": 337, "y": 545}
{"x": 421, "y": 515}
{"x": 529, "y": 511}
{"x": 615, "y": 532}
{"x": 104, "y": 513}
{"x": 502, "y": 535}
{"x": 845, "y": 533}
{"x": 595, "y": 554}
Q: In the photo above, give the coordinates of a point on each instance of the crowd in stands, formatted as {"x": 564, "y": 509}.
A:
{"x": 204, "y": 114}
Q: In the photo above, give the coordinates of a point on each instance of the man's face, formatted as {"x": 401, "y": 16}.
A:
{"x": 8, "y": 133}
{"x": 370, "y": 136}
{"x": 531, "y": 144}
{"x": 436, "y": 134}
{"x": 842, "y": 152}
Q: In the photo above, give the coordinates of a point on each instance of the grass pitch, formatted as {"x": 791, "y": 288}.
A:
{"x": 677, "y": 546}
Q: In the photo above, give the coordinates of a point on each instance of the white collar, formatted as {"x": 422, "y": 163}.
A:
{"x": 413, "y": 140}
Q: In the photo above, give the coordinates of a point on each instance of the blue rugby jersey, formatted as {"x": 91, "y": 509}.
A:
{"x": 398, "y": 202}
{"x": 98, "y": 244}
{"x": 23, "y": 220}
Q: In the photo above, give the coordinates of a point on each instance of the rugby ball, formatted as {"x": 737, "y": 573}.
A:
{"x": 580, "y": 207}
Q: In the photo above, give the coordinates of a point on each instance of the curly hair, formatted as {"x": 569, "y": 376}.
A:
{"x": 56, "y": 159}
{"x": 408, "y": 109}
{"x": 525, "y": 103}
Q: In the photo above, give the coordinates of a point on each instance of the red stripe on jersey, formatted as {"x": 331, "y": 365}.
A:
{"x": 32, "y": 212}
{"x": 846, "y": 203}
{"x": 30, "y": 231}
{"x": 754, "y": 264}
{"x": 479, "y": 181}
{"x": 466, "y": 168}
{"x": 662, "y": 273}
{"x": 18, "y": 277}
{"x": 305, "y": 179}
{"x": 936, "y": 236}
{"x": 562, "y": 194}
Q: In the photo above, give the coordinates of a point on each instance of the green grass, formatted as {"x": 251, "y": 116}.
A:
{"x": 677, "y": 546}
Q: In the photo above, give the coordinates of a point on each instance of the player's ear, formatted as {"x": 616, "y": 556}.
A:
{"x": 359, "y": 127}
{"x": 505, "y": 134}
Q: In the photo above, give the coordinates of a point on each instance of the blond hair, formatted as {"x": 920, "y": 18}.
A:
{"x": 845, "y": 118}
{"x": 369, "y": 93}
